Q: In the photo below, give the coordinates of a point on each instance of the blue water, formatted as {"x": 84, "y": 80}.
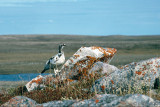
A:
{"x": 20, "y": 77}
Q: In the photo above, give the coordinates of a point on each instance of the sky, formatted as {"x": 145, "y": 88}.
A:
{"x": 80, "y": 17}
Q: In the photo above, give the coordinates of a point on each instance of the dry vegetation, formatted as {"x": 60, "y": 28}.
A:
{"x": 74, "y": 91}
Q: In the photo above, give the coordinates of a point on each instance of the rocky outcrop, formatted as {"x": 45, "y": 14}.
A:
{"x": 131, "y": 77}
{"x": 109, "y": 100}
{"x": 76, "y": 67}
{"x": 106, "y": 100}
{"x": 83, "y": 60}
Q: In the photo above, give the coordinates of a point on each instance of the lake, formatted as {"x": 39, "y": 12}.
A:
{"x": 20, "y": 77}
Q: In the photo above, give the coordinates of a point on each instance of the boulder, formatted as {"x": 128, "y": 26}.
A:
{"x": 132, "y": 77}
{"x": 106, "y": 100}
{"x": 20, "y": 101}
{"x": 83, "y": 60}
{"x": 102, "y": 68}
{"x": 40, "y": 82}
{"x": 109, "y": 100}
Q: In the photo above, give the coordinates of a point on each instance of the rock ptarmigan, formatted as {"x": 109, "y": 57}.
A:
{"x": 56, "y": 60}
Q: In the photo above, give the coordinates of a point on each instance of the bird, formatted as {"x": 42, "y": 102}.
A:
{"x": 56, "y": 60}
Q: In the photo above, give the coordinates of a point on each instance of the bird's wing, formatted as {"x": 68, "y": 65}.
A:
{"x": 49, "y": 61}
{"x": 47, "y": 66}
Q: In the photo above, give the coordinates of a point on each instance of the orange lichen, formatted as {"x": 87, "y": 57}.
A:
{"x": 112, "y": 81}
{"x": 144, "y": 65}
{"x": 91, "y": 58}
{"x": 111, "y": 50}
{"x": 65, "y": 65}
{"x": 151, "y": 63}
{"x": 121, "y": 67}
{"x": 71, "y": 60}
{"x": 80, "y": 69}
{"x": 138, "y": 72}
{"x": 70, "y": 80}
{"x": 91, "y": 61}
{"x": 84, "y": 72}
{"x": 96, "y": 101}
{"x": 144, "y": 74}
{"x": 122, "y": 102}
{"x": 126, "y": 66}
{"x": 91, "y": 75}
{"x": 38, "y": 81}
{"x": 156, "y": 66}
{"x": 101, "y": 50}
{"x": 76, "y": 56}
{"x": 103, "y": 87}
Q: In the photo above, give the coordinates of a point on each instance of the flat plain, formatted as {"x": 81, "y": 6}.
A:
{"x": 28, "y": 53}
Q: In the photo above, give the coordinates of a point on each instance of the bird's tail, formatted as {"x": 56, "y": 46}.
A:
{"x": 43, "y": 71}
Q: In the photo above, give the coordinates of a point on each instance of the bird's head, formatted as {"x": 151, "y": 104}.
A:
{"x": 61, "y": 46}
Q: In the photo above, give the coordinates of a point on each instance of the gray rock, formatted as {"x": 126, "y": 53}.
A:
{"x": 39, "y": 82}
{"x": 104, "y": 68}
{"x": 84, "y": 59}
{"x": 20, "y": 101}
{"x": 105, "y": 100}
{"x": 64, "y": 103}
{"x": 132, "y": 77}
{"x": 108, "y": 100}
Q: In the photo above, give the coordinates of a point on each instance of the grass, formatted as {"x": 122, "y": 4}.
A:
{"x": 28, "y": 53}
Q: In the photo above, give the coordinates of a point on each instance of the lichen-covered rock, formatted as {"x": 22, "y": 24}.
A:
{"x": 83, "y": 60}
{"x": 35, "y": 83}
{"x": 109, "y": 100}
{"x": 20, "y": 101}
{"x": 104, "y": 68}
{"x": 132, "y": 77}
{"x": 64, "y": 103}
{"x": 75, "y": 67}
{"x": 105, "y": 100}
{"x": 40, "y": 82}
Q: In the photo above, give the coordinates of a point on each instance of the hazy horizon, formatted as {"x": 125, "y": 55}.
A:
{"x": 80, "y": 17}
